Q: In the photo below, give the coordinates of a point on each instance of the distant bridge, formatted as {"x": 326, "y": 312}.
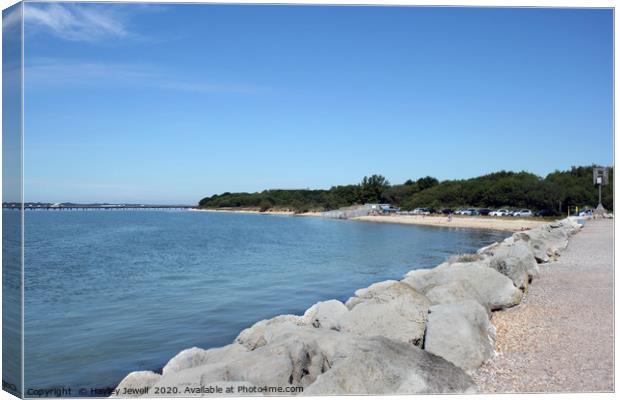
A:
{"x": 17, "y": 206}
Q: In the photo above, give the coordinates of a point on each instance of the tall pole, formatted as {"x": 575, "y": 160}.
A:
{"x": 600, "y": 204}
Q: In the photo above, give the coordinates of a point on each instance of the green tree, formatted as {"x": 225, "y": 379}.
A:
{"x": 427, "y": 182}
{"x": 372, "y": 188}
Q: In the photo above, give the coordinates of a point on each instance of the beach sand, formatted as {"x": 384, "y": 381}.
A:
{"x": 503, "y": 224}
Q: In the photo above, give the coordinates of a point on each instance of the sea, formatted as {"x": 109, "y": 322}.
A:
{"x": 108, "y": 292}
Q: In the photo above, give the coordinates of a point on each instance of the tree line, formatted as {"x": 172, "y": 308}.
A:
{"x": 504, "y": 189}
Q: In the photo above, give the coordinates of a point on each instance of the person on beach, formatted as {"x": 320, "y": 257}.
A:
{"x": 449, "y": 217}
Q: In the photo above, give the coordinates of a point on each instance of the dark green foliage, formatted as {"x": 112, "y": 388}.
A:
{"x": 427, "y": 182}
{"x": 372, "y": 189}
{"x": 498, "y": 190}
{"x": 517, "y": 190}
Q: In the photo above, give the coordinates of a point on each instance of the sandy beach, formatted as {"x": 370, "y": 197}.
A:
{"x": 504, "y": 224}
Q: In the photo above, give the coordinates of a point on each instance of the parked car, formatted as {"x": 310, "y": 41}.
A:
{"x": 469, "y": 211}
{"x": 484, "y": 211}
{"x": 421, "y": 211}
{"x": 499, "y": 213}
{"x": 447, "y": 211}
{"x": 523, "y": 213}
{"x": 545, "y": 213}
{"x": 585, "y": 213}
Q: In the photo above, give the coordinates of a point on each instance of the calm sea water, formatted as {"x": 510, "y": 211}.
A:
{"x": 110, "y": 292}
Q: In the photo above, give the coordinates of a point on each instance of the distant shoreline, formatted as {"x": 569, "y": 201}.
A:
{"x": 466, "y": 222}
{"x": 253, "y": 211}
{"x": 500, "y": 224}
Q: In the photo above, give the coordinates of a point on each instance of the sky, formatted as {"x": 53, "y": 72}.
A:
{"x": 172, "y": 103}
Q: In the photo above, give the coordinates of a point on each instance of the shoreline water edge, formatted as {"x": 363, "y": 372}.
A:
{"x": 426, "y": 333}
{"x": 509, "y": 224}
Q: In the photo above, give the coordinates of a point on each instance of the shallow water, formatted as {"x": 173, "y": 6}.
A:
{"x": 110, "y": 292}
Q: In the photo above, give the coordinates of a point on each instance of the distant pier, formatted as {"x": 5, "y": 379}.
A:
{"x": 64, "y": 206}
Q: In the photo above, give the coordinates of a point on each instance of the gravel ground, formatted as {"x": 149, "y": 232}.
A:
{"x": 561, "y": 337}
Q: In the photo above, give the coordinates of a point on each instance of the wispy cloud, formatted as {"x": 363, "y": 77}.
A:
{"x": 78, "y": 22}
{"x": 45, "y": 72}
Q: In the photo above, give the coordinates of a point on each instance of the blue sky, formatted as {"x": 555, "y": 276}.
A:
{"x": 170, "y": 103}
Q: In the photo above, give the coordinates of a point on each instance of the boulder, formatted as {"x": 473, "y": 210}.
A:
{"x": 547, "y": 240}
{"x": 461, "y": 333}
{"x": 195, "y": 357}
{"x": 133, "y": 384}
{"x": 400, "y": 320}
{"x": 325, "y": 314}
{"x": 345, "y": 363}
{"x": 515, "y": 260}
{"x": 293, "y": 358}
{"x": 456, "y": 292}
{"x": 261, "y": 332}
{"x": 493, "y": 289}
{"x": 382, "y": 366}
{"x": 384, "y": 292}
{"x": 391, "y": 309}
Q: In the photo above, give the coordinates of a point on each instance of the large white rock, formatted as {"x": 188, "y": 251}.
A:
{"x": 391, "y": 309}
{"x": 381, "y": 366}
{"x": 384, "y": 292}
{"x": 515, "y": 260}
{"x": 134, "y": 384}
{"x": 493, "y": 289}
{"x": 292, "y": 358}
{"x": 546, "y": 241}
{"x": 456, "y": 292}
{"x": 461, "y": 333}
{"x": 262, "y": 332}
{"x": 361, "y": 365}
{"x": 325, "y": 314}
{"x": 195, "y": 357}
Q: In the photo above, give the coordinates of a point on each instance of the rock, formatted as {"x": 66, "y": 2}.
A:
{"x": 261, "y": 332}
{"x": 293, "y": 358}
{"x": 398, "y": 320}
{"x": 384, "y": 292}
{"x": 516, "y": 261}
{"x": 493, "y": 289}
{"x": 536, "y": 243}
{"x": 195, "y": 357}
{"x": 328, "y": 362}
{"x": 547, "y": 240}
{"x": 135, "y": 382}
{"x": 455, "y": 292}
{"x": 391, "y": 309}
{"x": 461, "y": 333}
{"x": 381, "y": 366}
{"x": 240, "y": 388}
{"x": 325, "y": 314}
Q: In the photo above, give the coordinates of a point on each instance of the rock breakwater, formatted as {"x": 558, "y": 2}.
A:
{"x": 423, "y": 334}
